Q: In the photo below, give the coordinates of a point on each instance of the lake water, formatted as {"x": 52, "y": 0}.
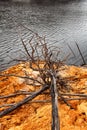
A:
{"x": 63, "y": 24}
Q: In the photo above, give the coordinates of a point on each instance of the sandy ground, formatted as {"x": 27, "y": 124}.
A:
{"x": 37, "y": 116}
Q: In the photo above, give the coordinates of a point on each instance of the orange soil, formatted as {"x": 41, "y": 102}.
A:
{"x": 37, "y": 116}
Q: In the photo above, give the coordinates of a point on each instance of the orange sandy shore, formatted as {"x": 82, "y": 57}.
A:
{"x": 37, "y": 116}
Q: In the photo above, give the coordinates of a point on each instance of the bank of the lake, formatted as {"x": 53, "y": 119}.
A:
{"x": 63, "y": 25}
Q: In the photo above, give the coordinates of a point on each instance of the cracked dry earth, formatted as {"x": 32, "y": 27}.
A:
{"x": 37, "y": 116}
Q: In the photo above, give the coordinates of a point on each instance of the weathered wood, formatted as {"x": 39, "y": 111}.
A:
{"x": 54, "y": 98}
{"x": 84, "y": 62}
{"x": 27, "y": 99}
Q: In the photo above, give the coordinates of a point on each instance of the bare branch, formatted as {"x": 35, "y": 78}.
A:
{"x": 74, "y": 94}
{"x": 54, "y": 96}
{"x": 27, "y": 99}
{"x": 79, "y": 98}
{"x": 24, "y": 77}
{"x": 16, "y": 94}
{"x": 34, "y": 101}
{"x": 31, "y": 58}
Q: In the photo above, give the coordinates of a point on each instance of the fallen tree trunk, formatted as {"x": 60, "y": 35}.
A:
{"x": 54, "y": 98}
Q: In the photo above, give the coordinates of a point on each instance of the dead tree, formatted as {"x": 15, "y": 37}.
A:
{"x": 45, "y": 60}
{"x": 38, "y": 52}
{"x": 48, "y": 73}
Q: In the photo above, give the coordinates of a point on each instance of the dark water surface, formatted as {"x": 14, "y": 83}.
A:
{"x": 62, "y": 24}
